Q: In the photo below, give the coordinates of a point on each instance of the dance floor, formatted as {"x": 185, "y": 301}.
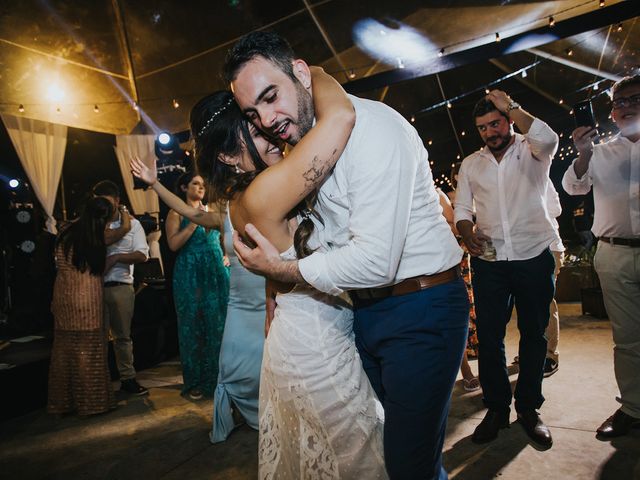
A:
{"x": 164, "y": 436}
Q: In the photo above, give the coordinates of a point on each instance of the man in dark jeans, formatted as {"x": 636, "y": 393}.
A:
{"x": 512, "y": 264}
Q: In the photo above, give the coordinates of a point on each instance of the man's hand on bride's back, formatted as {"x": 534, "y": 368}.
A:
{"x": 262, "y": 258}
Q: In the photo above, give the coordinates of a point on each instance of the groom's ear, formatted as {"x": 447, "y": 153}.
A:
{"x": 302, "y": 73}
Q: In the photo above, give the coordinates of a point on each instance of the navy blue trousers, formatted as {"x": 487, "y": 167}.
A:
{"x": 497, "y": 287}
{"x": 411, "y": 348}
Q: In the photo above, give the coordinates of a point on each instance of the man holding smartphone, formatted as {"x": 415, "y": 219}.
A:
{"x": 613, "y": 170}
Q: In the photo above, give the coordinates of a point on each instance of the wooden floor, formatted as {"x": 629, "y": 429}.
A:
{"x": 164, "y": 436}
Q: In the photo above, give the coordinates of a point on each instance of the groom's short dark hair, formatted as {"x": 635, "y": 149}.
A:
{"x": 268, "y": 45}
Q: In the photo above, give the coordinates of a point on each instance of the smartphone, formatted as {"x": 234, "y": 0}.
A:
{"x": 583, "y": 113}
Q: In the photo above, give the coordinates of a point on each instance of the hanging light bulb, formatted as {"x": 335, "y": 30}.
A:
{"x": 400, "y": 63}
{"x": 96, "y": 109}
{"x": 449, "y": 105}
{"x": 497, "y": 37}
{"x": 552, "y": 22}
{"x": 602, "y": 3}
{"x": 463, "y": 133}
{"x": 175, "y": 103}
{"x": 561, "y": 101}
{"x": 619, "y": 28}
{"x": 352, "y": 74}
{"x": 413, "y": 119}
{"x": 441, "y": 52}
{"x": 21, "y": 108}
{"x": 458, "y": 157}
{"x": 430, "y": 142}
{"x": 569, "y": 52}
{"x": 595, "y": 86}
{"x": 135, "y": 106}
{"x": 486, "y": 90}
{"x": 524, "y": 73}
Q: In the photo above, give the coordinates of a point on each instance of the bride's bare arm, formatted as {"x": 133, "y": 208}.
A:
{"x": 310, "y": 161}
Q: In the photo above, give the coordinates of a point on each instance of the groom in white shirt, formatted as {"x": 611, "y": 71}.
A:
{"x": 507, "y": 182}
{"x": 384, "y": 240}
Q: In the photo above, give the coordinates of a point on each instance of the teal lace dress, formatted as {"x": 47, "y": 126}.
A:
{"x": 201, "y": 293}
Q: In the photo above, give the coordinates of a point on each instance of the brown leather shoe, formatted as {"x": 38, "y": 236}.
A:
{"x": 490, "y": 425}
{"x": 535, "y": 428}
{"x": 617, "y": 425}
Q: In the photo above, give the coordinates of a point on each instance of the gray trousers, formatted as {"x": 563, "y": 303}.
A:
{"x": 618, "y": 268}
{"x": 119, "y": 301}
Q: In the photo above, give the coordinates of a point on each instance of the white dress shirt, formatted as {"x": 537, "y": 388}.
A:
{"x": 510, "y": 196}
{"x": 382, "y": 217}
{"x": 133, "y": 241}
{"x": 614, "y": 173}
{"x": 554, "y": 209}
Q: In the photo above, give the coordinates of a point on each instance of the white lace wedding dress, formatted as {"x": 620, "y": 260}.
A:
{"x": 319, "y": 416}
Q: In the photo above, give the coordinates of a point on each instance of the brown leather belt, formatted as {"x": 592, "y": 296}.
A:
{"x": 627, "y": 242}
{"x": 116, "y": 284}
{"x": 410, "y": 285}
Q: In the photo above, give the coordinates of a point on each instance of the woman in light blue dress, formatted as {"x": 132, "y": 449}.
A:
{"x": 241, "y": 351}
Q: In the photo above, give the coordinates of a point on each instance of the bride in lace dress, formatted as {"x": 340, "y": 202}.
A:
{"x": 319, "y": 416}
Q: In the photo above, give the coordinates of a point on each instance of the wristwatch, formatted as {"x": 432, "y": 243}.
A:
{"x": 513, "y": 105}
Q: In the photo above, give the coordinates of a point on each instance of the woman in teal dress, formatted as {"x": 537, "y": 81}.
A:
{"x": 200, "y": 291}
{"x": 241, "y": 353}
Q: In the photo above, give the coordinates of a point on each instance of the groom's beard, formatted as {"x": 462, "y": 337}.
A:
{"x": 504, "y": 143}
{"x": 305, "y": 114}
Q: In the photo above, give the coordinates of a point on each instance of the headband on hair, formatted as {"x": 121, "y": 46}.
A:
{"x": 215, "y": 114}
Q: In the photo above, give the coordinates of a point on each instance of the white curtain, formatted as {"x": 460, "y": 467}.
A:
{"x": 40, "y": 146}
{"x": 128, "y": 146}
{"x": 142, "y": 201}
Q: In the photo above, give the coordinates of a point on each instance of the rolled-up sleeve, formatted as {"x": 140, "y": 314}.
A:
{"x": 139, "y": 239}
{"x": 380, "y": 191}
{"x": 574, "y": 185}
{"x": 542, "y": 140}
{"x": 464, "y": 198}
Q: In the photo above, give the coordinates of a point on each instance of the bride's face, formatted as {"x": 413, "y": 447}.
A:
{"x": 269, "y": 152}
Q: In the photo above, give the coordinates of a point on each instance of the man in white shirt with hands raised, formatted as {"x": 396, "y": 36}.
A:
{"x": 612, "y": 169}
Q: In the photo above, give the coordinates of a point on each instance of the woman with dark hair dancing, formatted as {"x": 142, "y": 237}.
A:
{"x": 319, "y": 416}
{"x": 79, "y": 374}
{"x": 200, "y": 290}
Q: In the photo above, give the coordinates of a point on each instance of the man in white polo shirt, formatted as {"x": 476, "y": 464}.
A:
{"x": 119, "y": 296}
{"x": 507, "y": 181}
{"x": 613, "y": 170}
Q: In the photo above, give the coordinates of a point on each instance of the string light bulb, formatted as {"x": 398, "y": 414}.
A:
{"x": 135, "y": 106}
{"x": 602, "y": 3}
{"x": 431, "y": 143}
{"x": 552, "y": 21}
{"x": 619, "y": 28}
{"x": 413, "y": 119}
{"x": 400, "y": 63}
{"x": 96, "y": 109}
{"x": 441, "y": 52}
{"x": 524, "y": 73}
{"x": 569, "y": 52}
{"x": 352, "y": 74}
{"x": 561, "y": 101}
{"x": 497, "y": 37}
{"x": 21, "y": 108}
{"x": 595, "y": 86}
{"x": 463, "y": 133}
{"x": 449, "y": 105}
{"x": 486, "y": 90}
{"x": 175, "y": 103}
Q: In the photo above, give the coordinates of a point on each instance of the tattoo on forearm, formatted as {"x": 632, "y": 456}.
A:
{"x": 317, "y": 170}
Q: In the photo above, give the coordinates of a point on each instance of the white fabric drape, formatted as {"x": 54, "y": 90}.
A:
{"x": 40, "y": 147}
{"x": 128, "y": 146}
{"x": 142, "y": 201}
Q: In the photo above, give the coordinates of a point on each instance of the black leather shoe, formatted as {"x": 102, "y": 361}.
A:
{"x": 490, "y": 425}
{"x": 535, "y": 428}
{"x": 617, "y": 425}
